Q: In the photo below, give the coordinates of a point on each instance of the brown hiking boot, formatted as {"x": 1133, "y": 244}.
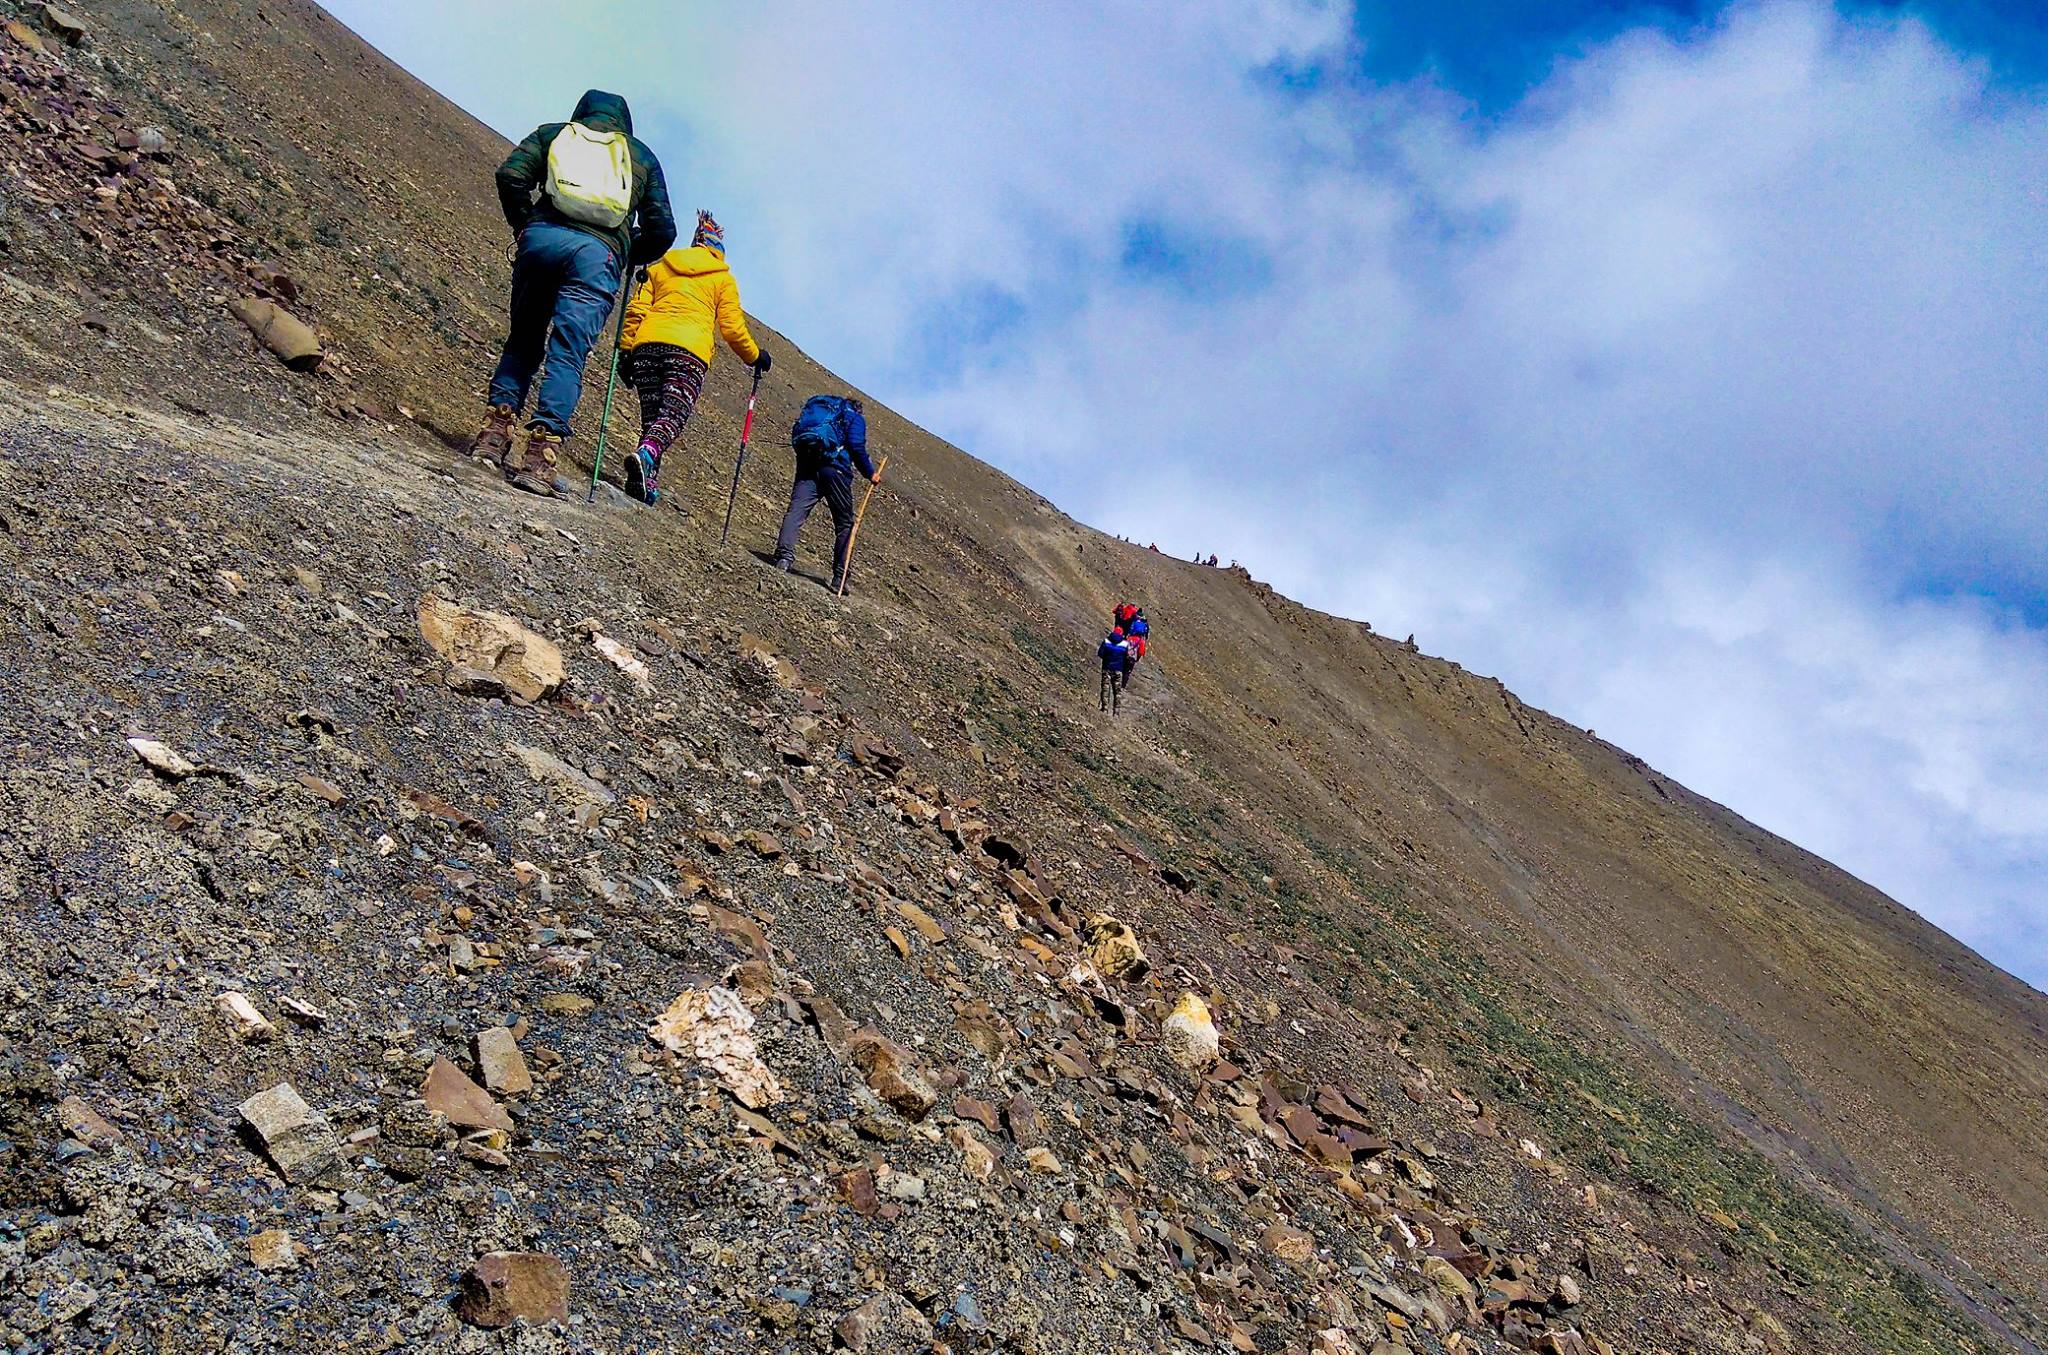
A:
{"x": 534, "y": 468}
{"x": 493, "y": 442}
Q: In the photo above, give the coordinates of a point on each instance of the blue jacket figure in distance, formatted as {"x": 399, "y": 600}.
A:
{"x": 1115, "y": 653}
{"x": 830, "y": 438}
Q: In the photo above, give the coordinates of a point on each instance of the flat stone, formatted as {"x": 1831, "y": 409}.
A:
{"x": 499, "y": 1060}
{"x": 87, "y": 1125}
{"x": 298, "y": 1139}
{"x": 466, "y": 1105}
{"x": 28, "y": 38}
{"x": 927, "y": 926}
{"x": 981, "y": 1112}
{"x": 576, "y": 785}
{"x": 63, "y": 23}
{"x": 301, "y": 1011}
{"x": 161, "y": 757}
{"x": 1042, "y": 1161}
{"x": 1027, "y": 1130}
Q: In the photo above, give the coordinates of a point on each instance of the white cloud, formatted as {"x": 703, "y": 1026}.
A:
{"x": 1692, "y": 397}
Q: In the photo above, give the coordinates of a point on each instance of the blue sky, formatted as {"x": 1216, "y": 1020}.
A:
{"x": 1493, "y": 52}
{"x": 1683, "y": 364}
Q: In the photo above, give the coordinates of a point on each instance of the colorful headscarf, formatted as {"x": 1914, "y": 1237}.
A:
{"x": 709, "y": 233}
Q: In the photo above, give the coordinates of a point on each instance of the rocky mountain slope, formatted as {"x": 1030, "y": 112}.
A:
{"x": 443, "y": 919}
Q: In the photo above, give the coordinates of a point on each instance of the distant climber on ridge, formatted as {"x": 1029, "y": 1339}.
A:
{"x": 688, "y": 302}
{"x": 585, "y": 200}
{"x": 830, "y": 437}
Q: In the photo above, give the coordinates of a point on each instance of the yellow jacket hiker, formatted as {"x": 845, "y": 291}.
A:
{"x": 690, "y": 301}
{"x": 671, "y": 328}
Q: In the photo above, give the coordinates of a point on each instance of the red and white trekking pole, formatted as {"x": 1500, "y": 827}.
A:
{"x": 746, "y": 431}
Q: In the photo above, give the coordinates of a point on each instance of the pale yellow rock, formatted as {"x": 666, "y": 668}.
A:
{"x": 283, "y": 333}
{"x": 163, "y": 758}
{"x": 1448, "y": 1279}
{"x": 1114, "y": 950}
{"x": 501, "y": 1064}
{"x": 714, "y": 1026}
{"x": 493, "y": 646}
{"x": 273, "y": 1250}
{"x": 241, "y": 1013}
{"x": 977, "y": 1159}
{"x": 1190, "y": 1032}
{"x": 1289, "y": 1243}
{"x": 927, "y": 926}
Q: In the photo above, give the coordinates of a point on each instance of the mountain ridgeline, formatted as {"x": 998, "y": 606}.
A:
{"x": 440, "y": 918}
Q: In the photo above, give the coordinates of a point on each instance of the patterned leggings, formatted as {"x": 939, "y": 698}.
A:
{"x": 669, "y": 380}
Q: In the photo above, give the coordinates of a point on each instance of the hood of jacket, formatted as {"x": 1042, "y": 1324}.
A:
{"x": 695, "y": 261}
{"x": 603, "y": 112}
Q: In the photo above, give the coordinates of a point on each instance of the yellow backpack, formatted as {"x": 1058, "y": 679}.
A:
{"x": 590, "y": 175}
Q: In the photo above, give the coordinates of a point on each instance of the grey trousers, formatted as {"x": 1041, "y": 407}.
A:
{"x": 837, "y": 492}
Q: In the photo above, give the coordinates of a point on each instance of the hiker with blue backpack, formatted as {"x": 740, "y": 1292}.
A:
{"x": 672, "y": 328}
{"x": 1115, "y": 654}
{"x": 830, "y": 438}
{"x": 586, "y": 200}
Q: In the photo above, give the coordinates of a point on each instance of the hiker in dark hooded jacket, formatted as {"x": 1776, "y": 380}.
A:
{"x": 586, "y": 200}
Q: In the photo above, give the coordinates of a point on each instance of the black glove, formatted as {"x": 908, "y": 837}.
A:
{"x": 763, "y": 363}
{"x": 626, "y": 365}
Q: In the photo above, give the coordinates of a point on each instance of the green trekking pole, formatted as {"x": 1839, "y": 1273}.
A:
{"x": 604, "y": 426}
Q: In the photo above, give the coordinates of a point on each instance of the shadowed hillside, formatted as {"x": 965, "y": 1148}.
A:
{"x": 1523, "y": 1044}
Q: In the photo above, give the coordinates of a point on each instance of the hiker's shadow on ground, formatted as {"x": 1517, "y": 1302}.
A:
{"x": 768, "y": 558}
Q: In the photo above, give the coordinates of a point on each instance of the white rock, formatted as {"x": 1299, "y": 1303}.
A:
{"x": 163, "y": 758}
{"x": 714, "y": 1025}
{"x": 241, "y": 1013}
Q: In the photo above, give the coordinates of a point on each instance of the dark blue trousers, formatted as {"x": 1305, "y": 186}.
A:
{"x": 837, "y": 491}
{"x": 564, "y": 282}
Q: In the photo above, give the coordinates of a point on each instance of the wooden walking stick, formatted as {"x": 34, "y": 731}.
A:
{"x": 846, "y": 568}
